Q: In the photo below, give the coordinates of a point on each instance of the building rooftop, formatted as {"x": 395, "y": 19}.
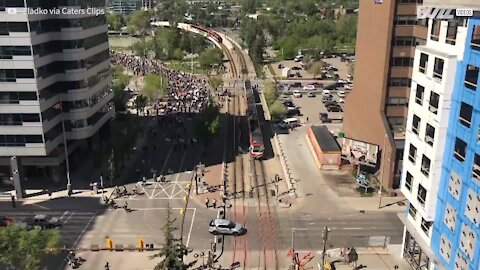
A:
{"x": 325, "y": 139}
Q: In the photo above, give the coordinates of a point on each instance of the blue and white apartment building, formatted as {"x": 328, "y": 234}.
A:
{"x": 441, "y": 172}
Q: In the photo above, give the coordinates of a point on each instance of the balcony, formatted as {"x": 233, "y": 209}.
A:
{"x": 426, "y": 226}
{"x": 475, "y": 43}
{"x": 429, "y": 140}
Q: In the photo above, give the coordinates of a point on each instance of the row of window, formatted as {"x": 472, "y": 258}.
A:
{"x": 409, "y": 20}
{"x": 16, "y": 97}
{"x": 475, "y": 42}
{"x": 11, "y": 75}
{"x": 19, "y": 140}
{"x": 7, "y": 52}
{"x": 408, "y": 41}
{"x": 425, "y": 165}
{"x": 433, "y": 100}
{"x": 12, "y": 119}
{"x": 52, "y": 25}
{"x": 60, "y": 66}
{"x": 410, "y": 1}
{"x": 401, "y": 61}
{"x": 56, "y": 46}
{"x": 429, "y": 130}
{"x": 437, "y": 67}
{"x": 51, "y": 3}
{"x": 396, "y": 101}
{"x": 400, "y": 82}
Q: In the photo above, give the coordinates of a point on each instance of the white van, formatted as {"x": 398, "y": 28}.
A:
{"x": 298, "y": 58}
{"x": 326, "y": 92}
{"x": 289, "y": 123}
{"x": 297, "y": 94}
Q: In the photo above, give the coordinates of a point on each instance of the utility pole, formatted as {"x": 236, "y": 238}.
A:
{"x": 326, "y": 233}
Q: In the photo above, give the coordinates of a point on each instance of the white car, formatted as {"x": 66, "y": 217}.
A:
{"x": 297, "y": 94}
{"x": 309, "y": 87}
{"x": 225, "y": 226}
{"x": 326, "y": 92}
{"x": 341, "y": 100}
{"x": 341, "y": 94}
{"x": 348, "y": 87}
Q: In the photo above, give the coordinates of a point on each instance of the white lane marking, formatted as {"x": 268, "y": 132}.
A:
{"x": 355, "y": 228}
{"x": 166, "y": 160}
{"x": 145, "y": 221}
{"x": 85, "y": 228}
{"x": 64, "y": 214}
{"x": 68, "y": 217}
{"x": 178, "y": 174}
{"x": 191, "y": 226}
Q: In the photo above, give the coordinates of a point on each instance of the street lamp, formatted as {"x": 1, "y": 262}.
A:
{"x": 67, "y": 163}
{"x": 381, "y": 173}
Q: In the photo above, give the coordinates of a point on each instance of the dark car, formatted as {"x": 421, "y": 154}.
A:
{"x": 43, "y": 222}
{"x": 317, "y": 85}
{"x": 330, "y": 103}
{"x": 288, "y": 104}
{"x": 280, "y": 66}
{"x": 293, "y": 112}
{"x": 334, "y": 108}
{"x": 332, "y": 86}
{"x": 296, "y": 68}
{"x": 296, "y": 84}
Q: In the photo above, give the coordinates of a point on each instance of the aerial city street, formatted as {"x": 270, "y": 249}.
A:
{"x": 239, "y": 134}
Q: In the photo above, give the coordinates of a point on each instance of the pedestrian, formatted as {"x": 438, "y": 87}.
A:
{"x": 307, "y": 119}
{"x": 49, "y": 193}
{"x": 214, "y": 204}
{"x": 206, "y": 203}
{"x": 13, "y": 200}
{"x": 107, "y": 266}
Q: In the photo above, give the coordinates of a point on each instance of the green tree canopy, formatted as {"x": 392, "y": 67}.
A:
{"x": 23, "y": 249}
{"x": 155, "y": 86}
{"x": 270, "y": 93}
{"x": 277, "y": 110}
{"x": 316, "y": 68}
{"x": 210, "y": 57}
{"x": 115, "y": 21}
{"x": 139, "y": 21}
{"x": 215, "y": 82}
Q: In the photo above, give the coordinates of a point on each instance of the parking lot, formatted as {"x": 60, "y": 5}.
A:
{"x": 341, "y": 68}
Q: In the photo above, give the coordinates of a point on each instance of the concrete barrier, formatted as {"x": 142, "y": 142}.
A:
{"x": 283, "y": 162}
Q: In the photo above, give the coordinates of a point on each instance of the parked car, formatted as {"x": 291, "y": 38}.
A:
{"x": 299, "y": 75}
{"x": 341, "y": 94}
{"x": 341, "y": 100}
{"x": 311, "y": 94}
{"x": 296, "y": 68}
{"x": 331, "y": 86}
{"x": 327, "y": 98}
{"x": 293, "y": 111}
{"x": 297, "y": 94}
{"x": 289, "y": 123}
{"x": 225, "y": 226}
{"x": 280, "y": 66}
{"x": 330, "y": 103}
{"x": 348, "y": 87}
{"x": 334, "y": 108}
{"x": 326, "y": 92}
{"x": 288, "y": 103}
{"x": 298, "y": 58}
{"x": 296, "y": 85}
{"x": 309, "y": 87}
{"x": 317, "y": 85}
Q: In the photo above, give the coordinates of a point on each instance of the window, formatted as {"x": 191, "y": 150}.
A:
{"x": 452, "y": 31}
{"x": 426, "y": 225}
{"x": 402, "y": 62}
{"x": 429, "y": 134}
{"x": 435, "y": 31}
{"x": 405, "y": 20}
{"x": 476, "y": 167}
{"x": 412, "y": 153}
{"x": 412, "y": 211}
{"x": 13, "y": 119}
{"x": 16, "y": 97}
{"x": 394, "y": 101}
{"x": 19, "y": 140}
{"x": 433, "y": 104}
{"x": 460, "y": 150}
{"x": 410, "y": 1}
{"x": 10, "y": 75}
{"x": 438, "y": 68}
{"x": 416, "y": 124}
{"x": 401, "y": 82}
{"x": 471, "y": 77}
{"x": 425, "y": 169}
{"x": 475, "y": 43}
{"x": 423, "y": 62}
{"x": 465, "y": 116}
{"x": 409, "y": 181}
{"x": 421, "y": 195}
{"x": 419, "y": 94}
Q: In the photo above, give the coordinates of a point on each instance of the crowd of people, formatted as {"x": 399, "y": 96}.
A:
{"x": 186, "y": 93}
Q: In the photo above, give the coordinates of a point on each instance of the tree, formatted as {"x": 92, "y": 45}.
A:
{"x": 115, "y": 21}
{"x": 316, "y": 68}
{"x": 278, "y": 110}
{"x": 139, "y": 21}
{"x": 210, "y": 57}
{"x": 215, "y": 82}
{"x": 270, "y": 93}
{"x": 23, "y": 249}
{"x": 155, "y": 86}
{"x": 249, "y": 6}
{"x": 172, "y": 249}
